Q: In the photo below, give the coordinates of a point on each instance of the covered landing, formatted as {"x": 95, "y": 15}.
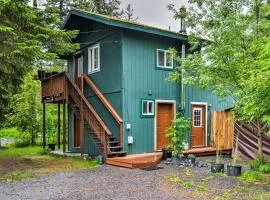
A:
{"x": 146, "y": 160}
{"x": 205, "y": 151}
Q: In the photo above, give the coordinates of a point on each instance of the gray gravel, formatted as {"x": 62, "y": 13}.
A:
{"x": 104, "y": 182}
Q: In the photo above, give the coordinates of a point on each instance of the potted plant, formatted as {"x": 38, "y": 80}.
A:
{"x": 234, "y": 169}
{"x": 176, "y": 134}
{"x": 166, "y": 153}
{"x": 217, "y": 167}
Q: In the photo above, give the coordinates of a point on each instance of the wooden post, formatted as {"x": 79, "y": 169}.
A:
{"x": 64, "y": 127}
{"x": 59, "y": 126}
{"x": 82, "y": 130}
{"x": 44, "y": 126}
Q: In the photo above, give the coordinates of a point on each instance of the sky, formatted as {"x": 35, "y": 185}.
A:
{"x": 155, "y": 12}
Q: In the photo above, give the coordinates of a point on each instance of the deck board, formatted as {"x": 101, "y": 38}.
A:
{"x": 146, "y": 160}
{"x": 205, "y": 151}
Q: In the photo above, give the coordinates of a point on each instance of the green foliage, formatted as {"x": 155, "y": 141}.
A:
{"x": 21, "y": 139}
{"x": 259, "y": 166}
{"x": 176, "y": 133}
{"x": 234, "y": 58}
{"x": 252, "y": 176}
{"x": 187, "y": 184}
{"x": 28, "y": 37}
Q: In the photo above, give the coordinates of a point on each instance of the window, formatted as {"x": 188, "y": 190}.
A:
{"x": 148, "y": 107}
{"x": 164, "y": 59}
{"x": 197, "y": 117}
{"x": 80, "y": 66}
{"x": 94, "y": 59}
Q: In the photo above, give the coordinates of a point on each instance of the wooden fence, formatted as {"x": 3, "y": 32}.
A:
{"x": 222, "y": 125}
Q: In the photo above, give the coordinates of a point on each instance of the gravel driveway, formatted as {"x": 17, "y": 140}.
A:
{"x": 108, "y": 182}
{"x": 104, "y": 182}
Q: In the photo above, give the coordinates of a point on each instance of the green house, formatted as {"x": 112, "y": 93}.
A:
{"x": 121, "y": 69}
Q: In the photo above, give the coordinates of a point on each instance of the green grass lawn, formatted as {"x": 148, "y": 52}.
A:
{"x": 32, "y": 162}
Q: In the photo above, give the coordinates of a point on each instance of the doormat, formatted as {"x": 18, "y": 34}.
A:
{"x": 152, "y": 168}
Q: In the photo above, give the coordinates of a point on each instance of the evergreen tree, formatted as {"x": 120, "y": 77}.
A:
{"x": 129, "y": 13}
{"x": 27, "y": 36}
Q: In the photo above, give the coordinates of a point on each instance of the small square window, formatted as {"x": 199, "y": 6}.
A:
{"x": 148, "y": 107}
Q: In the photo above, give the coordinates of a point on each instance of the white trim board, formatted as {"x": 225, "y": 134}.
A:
{"x": 155, "y": 120}
{"x": 206, "y": 119}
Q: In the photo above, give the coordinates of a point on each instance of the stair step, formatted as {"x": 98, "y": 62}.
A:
{"x": 117, "y": 154}
{"x": 113, "y": 143}
{"x": 116, "y": 148}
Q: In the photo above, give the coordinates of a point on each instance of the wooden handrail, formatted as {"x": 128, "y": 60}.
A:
{"x": 106, "y": 103}
{"x": 89, "y": 106}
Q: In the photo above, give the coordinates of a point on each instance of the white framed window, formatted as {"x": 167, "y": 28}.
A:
{"x": 197, "y": 117}
{"x": 148, "y": 107}
{"x": 94, "y": 59}
{"x": 164, "y": 59}
{"x": 80, "y": 66}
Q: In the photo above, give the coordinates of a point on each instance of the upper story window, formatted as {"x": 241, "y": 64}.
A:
{"x": 164, "y": 59}
{"x": 94, "y": 59}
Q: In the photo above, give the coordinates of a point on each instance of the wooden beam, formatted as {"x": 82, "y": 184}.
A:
{"x": 44, "y": 126}
{"x": 59, "y": 126}
{"x": 82, "y": 129}
{"x": 64, "y": 127}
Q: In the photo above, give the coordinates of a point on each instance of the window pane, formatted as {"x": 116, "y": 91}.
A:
{"x": 96, "y": 58}
{"x": 90, "y": 60}
{"x": 197, "y": 117}
{"x": 161, "y": 58}
{"x": 150, "y": 107}
{"x": 169, "y": 57}
{"x": 144, "y": 107}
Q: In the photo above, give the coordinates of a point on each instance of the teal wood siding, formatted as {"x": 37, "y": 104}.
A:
{"x": 140, "y": 76}
{"x": 194, "y": 94}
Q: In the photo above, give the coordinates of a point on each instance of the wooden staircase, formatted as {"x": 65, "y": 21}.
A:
{"x": 67, "y": 91}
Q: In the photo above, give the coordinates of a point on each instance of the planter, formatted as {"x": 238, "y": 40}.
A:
{"x": 51, "y": 147}
{"x": 166, "y": 154}
{"x": 100, "y": 160}
{"x": 234, "y": 170}
{"x": 217, "y": 167}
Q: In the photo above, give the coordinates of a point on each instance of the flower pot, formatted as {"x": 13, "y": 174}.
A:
{"x": 51, "y": 147}
{"x": 166, "y": 154}
{"x": 217, "y": 167}
{"x": 234, "y": 170}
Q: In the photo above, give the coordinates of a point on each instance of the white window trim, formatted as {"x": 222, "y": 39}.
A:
{"x": 91, "y": 64}
{"x": 153, "y": 106}
{"x": 80, "y": 68}
{"x": 197, "y": 109}
{"x": 165, "y": 59}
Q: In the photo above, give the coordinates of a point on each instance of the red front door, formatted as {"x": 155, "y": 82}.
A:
{"x": 198, "y": 126}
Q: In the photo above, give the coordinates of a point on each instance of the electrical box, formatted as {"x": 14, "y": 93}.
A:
{"x": 128, "y": 126}
{"x": 130, "y": 139}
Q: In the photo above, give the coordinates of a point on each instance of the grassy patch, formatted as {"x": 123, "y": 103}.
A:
{"x": 187, "y": 184}
{"x": 31, "y": 162}
{"x": 254, "y": 176}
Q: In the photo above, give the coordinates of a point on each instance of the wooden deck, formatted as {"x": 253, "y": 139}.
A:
{"x": 205, "y": 151}
{"x": 146, "y": 160}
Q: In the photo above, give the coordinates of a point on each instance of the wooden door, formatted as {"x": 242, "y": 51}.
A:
{"x": 198, "y": 135}
{"x": 77, "y": 132}
{"x": 165, "y": 115}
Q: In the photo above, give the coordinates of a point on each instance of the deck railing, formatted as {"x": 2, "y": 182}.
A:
{"x": 53, "y": 87}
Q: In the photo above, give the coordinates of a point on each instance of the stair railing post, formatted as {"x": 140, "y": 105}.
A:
{"x": 64, "y": 126}
{"x": 44, "y": 126}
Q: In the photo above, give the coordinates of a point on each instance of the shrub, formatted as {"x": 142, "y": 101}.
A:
{"x": 251, "y": 176}
{"x": 22, "y": 139}
{"x": 255, "y": 164}
{"x": 176, "y": 133}
{"x": 264, "y": 169}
